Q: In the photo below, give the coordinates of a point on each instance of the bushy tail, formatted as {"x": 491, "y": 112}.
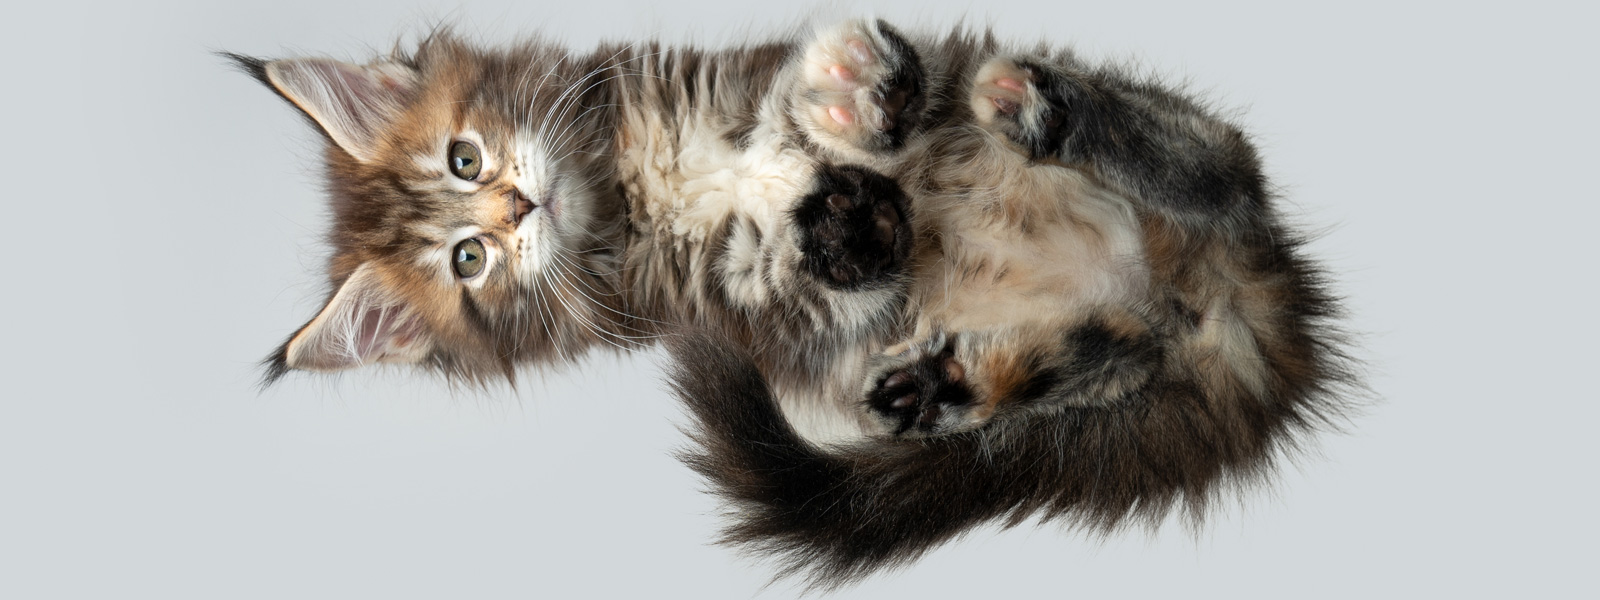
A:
{"x": 834, "y": 517}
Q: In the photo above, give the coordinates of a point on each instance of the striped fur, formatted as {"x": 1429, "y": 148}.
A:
{"x": 922, "y": 282}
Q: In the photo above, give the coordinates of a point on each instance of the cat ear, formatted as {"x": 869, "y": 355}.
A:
{"x": 363, "y": 323}
{"x": 353, "y": 104}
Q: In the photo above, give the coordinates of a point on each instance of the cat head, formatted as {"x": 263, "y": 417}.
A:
{"x": 475, "y": 225}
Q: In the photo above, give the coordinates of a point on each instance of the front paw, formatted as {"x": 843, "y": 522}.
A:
{"x": 862, "y": 89}
{"x": 924, "y": 393}
{"x": 1022, "y": 102}
{"x": 855, "y": 228}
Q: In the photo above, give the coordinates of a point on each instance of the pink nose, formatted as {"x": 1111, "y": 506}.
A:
{"x": 520, "y": 206}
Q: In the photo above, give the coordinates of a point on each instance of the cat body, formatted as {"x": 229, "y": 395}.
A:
{"x": 936, "y": 281}
{"x": 1106, "y": 320}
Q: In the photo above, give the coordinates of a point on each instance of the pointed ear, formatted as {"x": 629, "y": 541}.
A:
{"x": 364, "y": 323}
{"x": 352, "y": 104}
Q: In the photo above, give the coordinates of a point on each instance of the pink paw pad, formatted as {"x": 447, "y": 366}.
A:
{"x": 842, "y": 74}
{"x": 842, "y": 116}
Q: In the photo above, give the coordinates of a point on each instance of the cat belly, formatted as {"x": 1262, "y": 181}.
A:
{"x": 688, "y": 179}
{"x": 1052, "y": 246}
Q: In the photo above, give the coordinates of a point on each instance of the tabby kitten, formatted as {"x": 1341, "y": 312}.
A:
{"x": 1106, "y": 320}
{"x": 1069, "y": 297}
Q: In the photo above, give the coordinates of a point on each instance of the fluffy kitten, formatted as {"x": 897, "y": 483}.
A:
{"x": 1107, "y": 319}
{"x": 1084, "y": 308}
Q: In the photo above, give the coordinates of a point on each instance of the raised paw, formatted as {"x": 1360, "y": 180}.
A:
{"x": 855, "y": 228}
{"x": 923, "y": 393}
{"x": 862, "y": 90}
{"x": 1022, "y": 102}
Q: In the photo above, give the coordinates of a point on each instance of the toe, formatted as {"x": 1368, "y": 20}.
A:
{"x": 840, "y": 115}
{"x": 953, "y": 371}
{"x": 860, "y": 51}
{"x": 1006, "y": 106}
{"x": 842, "y": 74}
{"x": 840, "y": 203}
{"x": 898, "y": 379}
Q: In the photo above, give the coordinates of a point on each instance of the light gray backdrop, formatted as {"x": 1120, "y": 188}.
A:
{"x": 162, "y": 226}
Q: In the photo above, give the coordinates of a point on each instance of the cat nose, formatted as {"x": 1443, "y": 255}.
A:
{"x": 519, "y": 207}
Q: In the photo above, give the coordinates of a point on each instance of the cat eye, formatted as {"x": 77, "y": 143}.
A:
{"x": 469, "y": 258}
{"x": 465, "y": 160}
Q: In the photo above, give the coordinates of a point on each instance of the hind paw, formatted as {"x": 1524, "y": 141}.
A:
{"x": 1018, "y": 101}
{"x": 862, "y": 89}
{"x": 924, "y": 394}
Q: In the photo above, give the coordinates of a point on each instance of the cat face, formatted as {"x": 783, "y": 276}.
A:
{"x": 474, "y": 225}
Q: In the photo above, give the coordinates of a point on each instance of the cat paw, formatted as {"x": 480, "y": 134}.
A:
{"x": 862, "y": 89}
{"x": 1020, "y": 101}
{"x": 924, "y": 393}
{"x": 855, "y": 228}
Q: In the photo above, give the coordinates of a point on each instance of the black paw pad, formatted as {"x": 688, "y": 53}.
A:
{"x": 855, "y": 227}
{"x": 917, "y": 396}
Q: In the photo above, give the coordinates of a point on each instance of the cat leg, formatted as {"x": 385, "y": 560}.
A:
{"x": 952, "y": 382}
{"x": 1160, "y": 148}
{"x": 828, "y": 270}
{"x": 861, "y": 91}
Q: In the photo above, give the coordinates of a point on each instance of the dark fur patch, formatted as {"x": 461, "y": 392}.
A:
{"x": 902, "y": 95}
{"x": 1142, "y": 138}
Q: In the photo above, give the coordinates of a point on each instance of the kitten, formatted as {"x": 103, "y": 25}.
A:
{"x": 1084, "y": 306}
{"x": 1106, "y": 320}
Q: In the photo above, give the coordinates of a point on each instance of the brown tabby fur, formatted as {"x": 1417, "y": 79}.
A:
{"x": 1089, "y": 311}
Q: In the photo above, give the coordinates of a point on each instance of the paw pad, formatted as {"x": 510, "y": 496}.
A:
{"x": 920, "y": 394}
{"x": 854, "y": 227}
{"x": 862, "y": 89}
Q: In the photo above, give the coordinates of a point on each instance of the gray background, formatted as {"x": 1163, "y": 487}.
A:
{"x": 162, "y": 230}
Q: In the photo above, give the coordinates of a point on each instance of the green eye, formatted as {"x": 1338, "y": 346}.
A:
{"x": 465, "y": 161}
{"x": 468, "y": 258}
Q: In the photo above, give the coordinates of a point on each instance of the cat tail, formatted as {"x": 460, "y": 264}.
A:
{"x": 833, "y": 516}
